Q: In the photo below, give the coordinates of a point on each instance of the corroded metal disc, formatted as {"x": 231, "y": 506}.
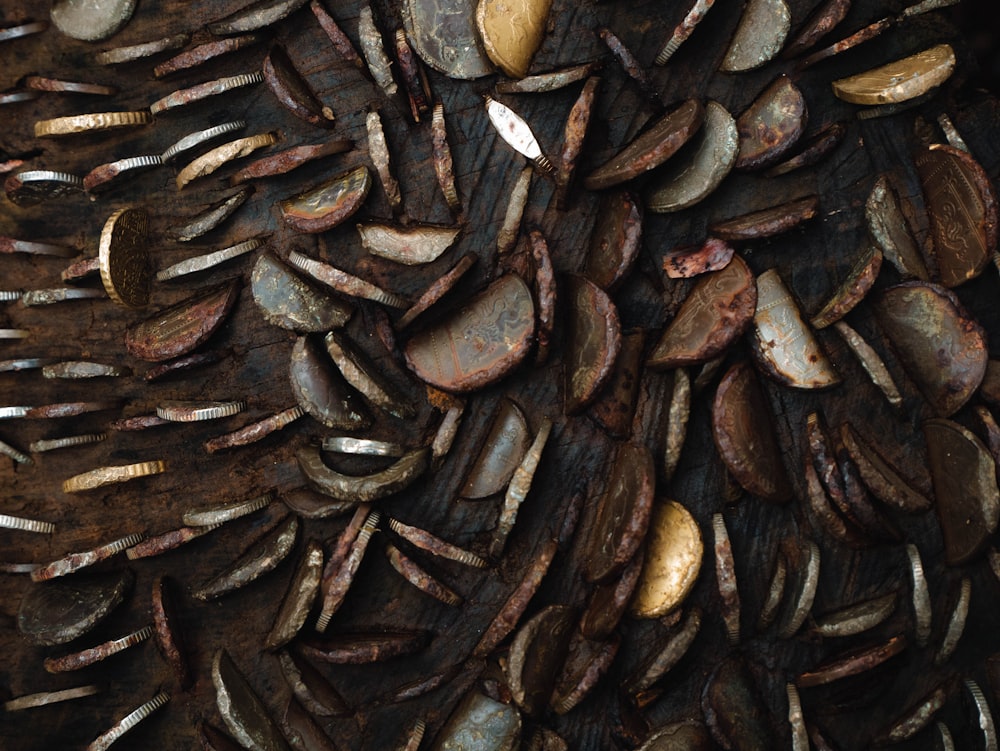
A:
{"x": 288, "y": 301}
{"x": 58, "y": 612}
{"x": 734, "y": 708}
{"x": 123, "y": 257}
{"x": 594, "y": 343}
{"x": 770, "y": 126}
{"x": 328, "y": 204}
{"x": 480, "y": 343}
{"x": 91, "y": 20}
{"x": 505, "y": 445}
{"x": 941, "y": 346}
{"x": 443, "y": 33}
{"x": 616, "y": 239}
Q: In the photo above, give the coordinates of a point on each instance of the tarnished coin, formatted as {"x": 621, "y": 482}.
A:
{"x": 743, "y": 429}
{"x": 30, "y": 187}
{"x": 203, "y": 53}
{"x": 210, "y": 161}
{"x": 12, "y": 245}
{"x": 501, "y": 453}
{"x": 759, "y": 36}
{"x": 767, "y": 222}
{"x": 410, "y": 245}
{"x": 102, "y": 476}
{"x": 129, "y": 721}
{"x": 443, "y": 33}
{"x": 124, "y": 257}
{"x": 288, "y": 301}
{"x": 321, "y": 390}
{"x": 660, "y": 142}
{"x": 42, "y": 83}
{"x": 329, "y": 203}
{"x": 962, "y": 206}
{"x": 255, "y": 15}
{"x": 118, "y": 55}
{"x": 201, "y": 138}
{"x": 106, "y": 176}
{"x": 22, "y": 30}
{"x": 702, "y": 168}
{"x": 941, "y": 346}
{"x": 717, "y": 311}
{"x": 615, "y": 240}
{"x": 211, "y": 217}
{"x": 45, "y": 698}
{"x": 536, "y": 655}
{"x": 292, "y": 90}
{"x": 179, "y": 411}
{"x": 734, "y": 708}
{"x": 481, "y": 342}
{"x": 478, "y": 717}
{"x": 889, "y": 228}
{"x": 674, "y": 550}
{"x": 512, "y": 32}
{"x": 91, "y": 20}
{"x": 687, "y": 735}
{"x": 771, "y": 125}
{"x": 594, "y": 342}
{"x": 899, "y": 81}
{"x": 94, "y": 121}
{"x": 182, "y": 327}
{"x": 58, "y": 612}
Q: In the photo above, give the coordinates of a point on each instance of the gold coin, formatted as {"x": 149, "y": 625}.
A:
{"x": 61, "y": 126}
{"x": 210, "y": 161}
{"x": 673, "y": 560}
{"x": 512, "y": 32}
{"x": 123, "y": 257}
{"x": 97, "y": 478}
{"x": 898, "y": 81}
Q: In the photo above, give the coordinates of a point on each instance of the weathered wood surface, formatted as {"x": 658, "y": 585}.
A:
{"x": 811, "y": 260}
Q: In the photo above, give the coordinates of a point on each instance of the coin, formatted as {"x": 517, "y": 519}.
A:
{"x": 204, "y": 90}
{"x": 22, "y": 30}
{"x": 124, "y": 257}
{"x": 106, "y": 176}
{"x": 201, "y": 138}
{"x": 40, "y": 83}
{"x": 31, "y": 187}
{"x": 210, "y": 161}
{"x": 443, "y": 33}
{"x": 60, "y": 611}
{"x": 119, "y": 55}
{"x": 91, "y": 20}
{"x": 98, "y": 478}
{"x": 62, "y": 126}
{"x": 512, "y": 32}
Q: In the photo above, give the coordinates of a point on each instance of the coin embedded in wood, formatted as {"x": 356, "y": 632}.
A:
{"x": 941, "y": 345}
{"x": 123, "y": 257}
{"x": 512, "y": 32}
{"x": 674, "y": 551}
{"x": 536, "y": 654}
{"x": 292, "y": 90}
{"x": 288, "y": 301}
{"x": 900, "y": 80}
{"x": 615, "y": 239}
{"x": 718, "y": 310}
{"x": 30, "y": 187}
{"x": 444, "y": 34}
{"x": 767, "y": 222}
{"x": 329, "y": 203}
{"x": 58, "y": 612}
{"x": 962, "y": 206}
{"x": 651, "y": 149}
{"x": 91, "y": 20}
{"x": 322, "y": 391}
{"x": 242, "y": 710}
{"x": 255, "y": 15}
{"x": 410, "y": 245}
{"x": 480, "y": 343}
{"x": 771, "y": 125}
{"x": 734, "y": 709}
{"x": 759, "y": 36}
{"x": 594, "y": 342}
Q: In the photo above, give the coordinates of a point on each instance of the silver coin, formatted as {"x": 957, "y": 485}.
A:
{"x": 91, "y": 20}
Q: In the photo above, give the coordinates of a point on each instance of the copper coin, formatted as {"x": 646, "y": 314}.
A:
{"x": 443, "y": 33}
{"x": 744, "y": 434}
{"x": 939, "y": 343}
{"x": 182, "y": 327}
{"x": 651, "y": 149}
{"x": 715, "y": 314}
{"x": 292, "y": 90}
{"x": 537, "y": 652}
{"x": 770, "y": 126}
{"x": 615, "y": 240}
{"x": 505, "y": 445}
{"x": 767, "y": 222}
{"x": 480, "y": 343}
{"x": 962, "y": 206}
{"x": 594, "y": 343}
{"x": 615, "y": 405}
{"x": 322, "y": 391}
{"x": 30, "y": 187}
{"x": 328, "y": 204}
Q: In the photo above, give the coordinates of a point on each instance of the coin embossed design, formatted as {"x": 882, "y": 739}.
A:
{"x": 123, "y": 257}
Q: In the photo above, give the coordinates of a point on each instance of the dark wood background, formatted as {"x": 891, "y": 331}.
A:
{"x": 812, "y": 260}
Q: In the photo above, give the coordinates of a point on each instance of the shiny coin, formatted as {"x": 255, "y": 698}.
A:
{"x": 328, "y": 204}
{"x": 26, "y": 525}
{"x": 98, "y": 478}
{"x": 124, "y": 257}
{"x": 342, "y": 444}
{"x": 674, "y": 551}
{"x": 119, "y": 55}
{"x": 22, "y": 30}
{"x": 660, "y": 142}
{"x": 212, "y": 160}
{"x": 58, "y": 612}
{"x": 511, "y": 32}
{"x": 18, "y": 456}
{"x": 106, "y": 176}
{"x": 52, "y": 444}
{"x": 201, "y": 138}
{"x": 91, "y": 20}
{"x": 15, "y": 96}
{"x": 899, "y": 81}
{"x": 480, "y": 343}
{"x": 209, "y": 260}
{"x": 515, "y": 130}
{"x": 759, "y": 36}
{"x": 197, "y": 411}
{"x": 14, "y": 333}
{"x": 96, "y": 121}
{"x": 31, "y": 187}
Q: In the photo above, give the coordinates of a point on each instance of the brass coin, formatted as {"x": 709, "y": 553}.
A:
{"x": 62, "y": 126}
{"x": 512, "y": 32}
{"x": 124, "y": 257}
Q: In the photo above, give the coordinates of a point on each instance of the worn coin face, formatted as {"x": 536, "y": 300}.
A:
{"x": 58, "y": 612}
{"x": 123, "y": 256}
{"x": 91, "y": 20}
{"x": 31, "y": 187}
{"x": 328, "y": 204}
{"x": 443, "y": 33}
{"x": 511, "y": 32}
{"x": 770, "y": 126}
{"x": 674, "y": 550}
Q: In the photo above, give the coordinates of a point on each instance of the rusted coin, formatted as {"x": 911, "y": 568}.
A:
{"x": 767, "y": 222}
{"x": 106, "y": 176}
{"x": 169, "y": 639}
{"x": 288, "y": 301}
{"x": 900, "y": 80}
{"x": 165, "y": 542}
{"x": 882, "y": 478}
{"x": 655, "y": 146}
{"x": 478, "y": 717}
{"x": 299, "y": 598}
{"x": 211, "y": 217}
{"x": 819, "y": 144}
{"x": 853, "y": 289}
{"x": 213, "y": 739}
{"x": 258, "y": 558}
{"x": 420, "y": 578}
{"x": 674, "y": 550}
{"x": 328, "y": 204}
{"x": 536, "y": 654}
{"x": 614, "y": 407}
{"x": 622, "y": 515}
{"x": 364, "y": 375}
{"x": 965, "y": 486}
{"x": 182, "y": 327}
{"x": 31, "y": 187}
{"x": 759, "y": 35}
{"x": 631, "y": 65}
{"x": 615, "y": 240}
{"x": 962, "y": 205}
{"x": 81, "y": 270}
{"x": 686, "y": 261}
{"x": 41, "y": 83}
{"x": 717, "y": 311}
{"x": 891, "y": 231}
{"x": 133, "y": 52}
{"x": 203, "y": 53}
{"x": 664, "y": 655}
{"x": 820, "y": 22}
{"x": 550, "y": 81}
{"x": 594, "y": 343}
{"x": 480, "y": 343}
{"x": 340, "y": 41}
{"x": 94, "y": 121}
{"x": 322, "y": 391}
{"x": 253, "y": 16}
{"x": 851, "y": 663}
{"x": 91, "y": 20}
{"x": 783, "y": 344}
{"x": 574, "y": 137}
{"x": 126, "y": 723}
{"x": 410, "y": 245}
{"x": 500, "y": 454}
{"x": 285, "y": 161}
{"x": 92, "y": 655}
{"x": 695, "y": 175}
{"x": 687, "y": 735}
{"x": 182, "y": 365}
{"x": 939, "y": 343}
{"x": 511, "y": 33}
{"x": 242, "y": 710}
{"x": 292, "y": 90}
{"x": 684, "y": 29}
{"x": 519, "y": 487}
{"x": 373, "y": 49}
{"x": 362, "y": 648}
{"x": 734, "y": 709}
{"x": 123, "y": 257}
{"x": 437, "y": 290}
{"x": 770, "y": 126}
{"x": 343, "y": 282}
{"x": 744, "y": 434}
{"x": 443, "y": 33}
{"x": 58, "y": 612}
{"x": 586, "y": 663}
